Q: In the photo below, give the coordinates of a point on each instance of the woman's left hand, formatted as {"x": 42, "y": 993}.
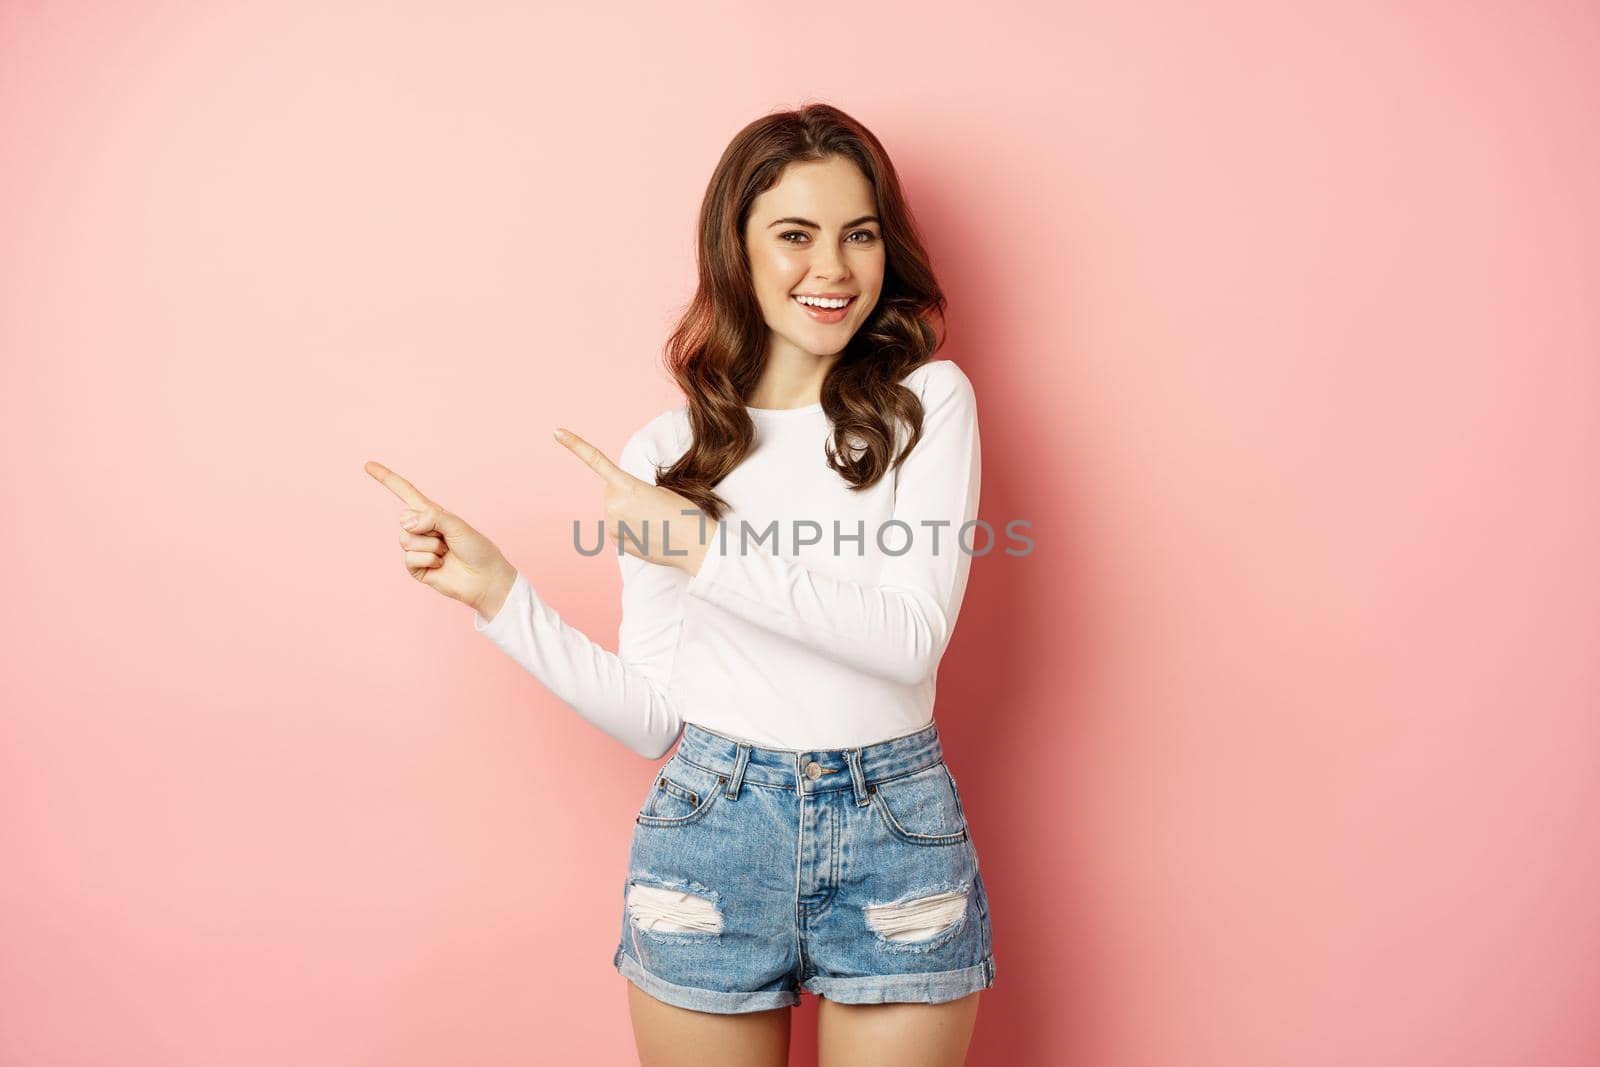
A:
{"x": 655, "y": 518}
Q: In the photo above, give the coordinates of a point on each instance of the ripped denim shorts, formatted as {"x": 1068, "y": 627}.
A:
{"x": 757, "y": 872}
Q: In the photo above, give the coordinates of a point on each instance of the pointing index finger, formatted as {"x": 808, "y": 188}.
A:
{"x": 595, "y": 458}
{"x": 397, "y": 485}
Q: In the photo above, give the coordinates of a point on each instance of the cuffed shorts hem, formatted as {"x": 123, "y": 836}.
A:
{"x": 712, "y": 1000}
{"x": 934, "y": 988}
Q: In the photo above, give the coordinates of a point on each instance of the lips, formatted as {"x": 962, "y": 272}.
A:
{"x": 825, "y": 315}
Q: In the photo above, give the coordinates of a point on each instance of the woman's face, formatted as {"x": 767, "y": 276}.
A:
{"x": 816, "y": 232}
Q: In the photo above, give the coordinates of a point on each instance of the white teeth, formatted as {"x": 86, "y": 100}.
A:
{"x": 822, "y": 302}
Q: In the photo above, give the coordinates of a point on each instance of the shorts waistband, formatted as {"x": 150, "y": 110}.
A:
{"x": 810, "y": 770}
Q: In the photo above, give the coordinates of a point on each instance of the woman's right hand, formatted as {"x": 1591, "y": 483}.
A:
{"x": 444, "y": 553}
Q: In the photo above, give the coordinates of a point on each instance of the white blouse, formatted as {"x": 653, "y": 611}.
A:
{"x": 820, "y": 612}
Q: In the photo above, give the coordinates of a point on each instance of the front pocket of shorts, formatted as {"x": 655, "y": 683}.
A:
{"x": 921, "y": 808}
{"x": 680, "y": 794}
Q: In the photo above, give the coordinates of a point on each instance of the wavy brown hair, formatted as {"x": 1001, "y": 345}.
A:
{"x": 718, "y": 350}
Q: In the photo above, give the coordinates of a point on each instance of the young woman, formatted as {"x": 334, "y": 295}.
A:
{"x": 795, "y": 543}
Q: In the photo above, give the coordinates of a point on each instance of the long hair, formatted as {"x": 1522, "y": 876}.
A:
{"x": 718, "y": 350}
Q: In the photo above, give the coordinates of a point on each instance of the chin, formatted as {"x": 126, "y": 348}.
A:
{"x": 832, "y": 347}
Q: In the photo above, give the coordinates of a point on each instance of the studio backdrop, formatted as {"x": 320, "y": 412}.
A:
{"x": 1279, "y": 746}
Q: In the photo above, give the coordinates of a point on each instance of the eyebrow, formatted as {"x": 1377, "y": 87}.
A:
{"x": 814, "y": 226}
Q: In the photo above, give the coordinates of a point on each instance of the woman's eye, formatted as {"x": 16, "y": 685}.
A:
{"x": 868, "y": 234}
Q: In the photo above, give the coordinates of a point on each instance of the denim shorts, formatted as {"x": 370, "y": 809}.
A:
{"x": 757, "y": 872}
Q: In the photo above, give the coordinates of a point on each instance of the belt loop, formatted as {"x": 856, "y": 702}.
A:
{"x": 740, "y": 760}
{"x": 858, "y": 778}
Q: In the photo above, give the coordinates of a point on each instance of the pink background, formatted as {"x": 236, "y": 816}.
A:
{"x": 1280, "y": 749}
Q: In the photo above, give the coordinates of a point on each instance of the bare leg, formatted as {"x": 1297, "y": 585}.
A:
{"x": 670, "y": 1036}
{"x": 895, "y": 1035}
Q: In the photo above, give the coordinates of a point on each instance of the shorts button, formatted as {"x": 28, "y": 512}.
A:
{"x": 813, "y": 770}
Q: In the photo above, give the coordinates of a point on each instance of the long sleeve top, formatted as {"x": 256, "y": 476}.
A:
{"x": 820, "y": 612}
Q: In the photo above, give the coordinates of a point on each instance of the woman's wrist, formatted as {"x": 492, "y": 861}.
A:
{"x": 495, "y": 593}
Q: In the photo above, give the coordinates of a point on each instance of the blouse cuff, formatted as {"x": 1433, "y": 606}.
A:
{"x": 516, "y": 600}
{"x": 716, "y": 550}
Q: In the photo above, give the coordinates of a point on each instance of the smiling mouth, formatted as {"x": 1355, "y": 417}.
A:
{"x": 825, "y": 315}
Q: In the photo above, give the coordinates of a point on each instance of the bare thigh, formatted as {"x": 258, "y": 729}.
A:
{"x": 895, "y": 1035}
{"x": 670, "y": 1036}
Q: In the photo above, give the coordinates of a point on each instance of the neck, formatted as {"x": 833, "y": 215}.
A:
{"x": 790, "y": 379}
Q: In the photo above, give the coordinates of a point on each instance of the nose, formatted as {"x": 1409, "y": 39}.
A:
{"x": 829, "y": 264}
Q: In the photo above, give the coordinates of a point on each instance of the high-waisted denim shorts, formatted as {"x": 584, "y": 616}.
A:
{"x": 757, "y": 872}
